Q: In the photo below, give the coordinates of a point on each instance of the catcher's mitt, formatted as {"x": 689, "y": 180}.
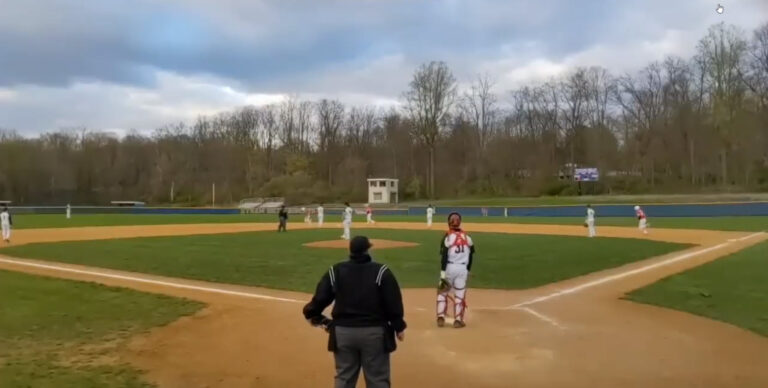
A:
{"x": 443, "y": 286}
{"x": 585, "y": 224}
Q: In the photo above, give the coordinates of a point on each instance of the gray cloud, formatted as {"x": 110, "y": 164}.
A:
{"x": 63, "y": 63}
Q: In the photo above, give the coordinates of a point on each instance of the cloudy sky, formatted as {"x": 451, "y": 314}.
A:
{"x": 140, "y": 64}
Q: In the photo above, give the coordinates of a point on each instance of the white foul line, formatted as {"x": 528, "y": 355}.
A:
{"x": 149, "y": 281}
{"x": 616, "y": 277}
{"x": 745, "y": 237}
{"x": 541, "y": 316}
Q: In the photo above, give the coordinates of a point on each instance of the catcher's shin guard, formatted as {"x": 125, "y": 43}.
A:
{"x": 442, "y": 304}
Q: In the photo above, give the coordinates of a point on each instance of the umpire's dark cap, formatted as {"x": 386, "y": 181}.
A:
{"x": 359, "y": 245}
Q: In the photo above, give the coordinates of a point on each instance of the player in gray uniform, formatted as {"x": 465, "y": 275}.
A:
{"x": 456, "y": 253}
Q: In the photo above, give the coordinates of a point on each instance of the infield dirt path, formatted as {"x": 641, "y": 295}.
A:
{"x": 575, "y": 333}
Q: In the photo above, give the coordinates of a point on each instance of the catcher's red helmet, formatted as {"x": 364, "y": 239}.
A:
{"x": 454, "y": 220}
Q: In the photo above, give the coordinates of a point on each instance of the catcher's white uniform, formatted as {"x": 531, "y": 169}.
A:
{"x": 456, "y": 251}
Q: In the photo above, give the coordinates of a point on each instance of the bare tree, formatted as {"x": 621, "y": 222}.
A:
{"x": 478, "y": 106}
{"x": 722, "y": 51}
{"x": 330, "y": 120}
{"x": 428, "y": 103}
{"x": 757, "y": 67}
{"x": 268, "y": 128}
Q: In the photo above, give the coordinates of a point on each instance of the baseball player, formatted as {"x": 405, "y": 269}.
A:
{"x": 456, "y": 252}
{"x": 369, "y": 214}
{"x": 6, "y": 221}
{"x": 590, "y": 221}
{"x": 307, "y": 215}
{"x": 69, "y": 212}
{"x": 430, "y": 213}
{"x": 282, "y": 217}
{"x": 642, "y": 220}
{"x": 347, "y": 222}
{"x": 320, "y": 215}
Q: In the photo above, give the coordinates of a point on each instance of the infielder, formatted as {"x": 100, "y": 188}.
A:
{"x": 369, "y": 214}
{"x": 69, "y": 212}
{"x": 642, "y": 220}
{"x": 320, "y": 215}
{"x": 6, "y": 221}
{"x": 590, "y": 221}
{"x": 430, "y": 213}
{"x": 347, "y": 222}
{"x": 456, "y": 252}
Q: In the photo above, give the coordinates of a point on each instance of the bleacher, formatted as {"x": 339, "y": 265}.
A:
{"x": 261, "y": 205}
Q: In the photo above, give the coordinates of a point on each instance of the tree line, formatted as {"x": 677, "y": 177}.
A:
{"x": 677, "y": 125}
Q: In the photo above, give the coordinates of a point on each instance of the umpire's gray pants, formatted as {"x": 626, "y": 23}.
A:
{"x": 361, "y": 346}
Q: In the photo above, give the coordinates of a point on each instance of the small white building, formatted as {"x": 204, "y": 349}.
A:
{"x": 382, "y": 190}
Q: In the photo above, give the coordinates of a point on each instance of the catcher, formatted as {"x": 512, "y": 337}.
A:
{"x": 456, "y": 252}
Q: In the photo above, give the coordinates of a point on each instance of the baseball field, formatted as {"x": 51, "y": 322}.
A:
{"x": 215, "y": 301}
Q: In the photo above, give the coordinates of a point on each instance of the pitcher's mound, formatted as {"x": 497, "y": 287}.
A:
{"x": 344, "y": 244}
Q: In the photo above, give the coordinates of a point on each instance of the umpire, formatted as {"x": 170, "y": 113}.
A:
{"x": 367, "y": 316}
{"x": 282, "y": 216}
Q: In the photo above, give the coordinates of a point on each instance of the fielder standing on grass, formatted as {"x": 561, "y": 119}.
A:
{"x": 347, "y": 220}
{"x": 430, "y": 213}
{"x": 320, "y": 215}
{"x": 369, "y": 214}
{"x": 282, "y": 216}
{"x": 367, "y": 316}
{"x": 456, "y": 253}
{"x": 69, "y": 212}
{"x": 590, "y": 221}
{"x": 6, "y": 222}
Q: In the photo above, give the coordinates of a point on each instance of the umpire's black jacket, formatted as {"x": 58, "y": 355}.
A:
{"x": 366, "y": 294}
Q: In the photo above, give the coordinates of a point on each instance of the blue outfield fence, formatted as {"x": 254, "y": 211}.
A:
{"x": 658, "y": 210}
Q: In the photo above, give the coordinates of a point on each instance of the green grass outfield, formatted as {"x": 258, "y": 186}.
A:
{"x": 22, "y": 221}
{"x": 278, "y": 260}
{"x": 56, "y": 333}
{"x": 733, "y": 289}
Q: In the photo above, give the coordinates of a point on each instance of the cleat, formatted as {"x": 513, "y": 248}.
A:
{"x": 440, "y": 321}
{"x": 458, "y": 324}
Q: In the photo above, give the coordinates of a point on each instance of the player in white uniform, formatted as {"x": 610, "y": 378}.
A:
{"x": 369, "y": 214}
{"x": 347, "y": 222}
{"x": 430, "y": 213}
{"x": 69, "y": 212}
{"x": 591, "y": 221}
{"x": 456, "y": 251}
{"x": 642, "y": 223}
{"x": 320, "y": 215}
{"x": 5, "y": 223}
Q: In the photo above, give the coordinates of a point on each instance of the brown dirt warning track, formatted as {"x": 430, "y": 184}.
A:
{"x": 575, "y": 333}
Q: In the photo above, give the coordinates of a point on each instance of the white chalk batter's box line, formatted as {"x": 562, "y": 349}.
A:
{"x": 523, "y": 306}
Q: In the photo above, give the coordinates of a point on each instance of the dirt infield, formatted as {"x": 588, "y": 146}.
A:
{"x": 377, "y": 244}
{"x": 575, "y": 333}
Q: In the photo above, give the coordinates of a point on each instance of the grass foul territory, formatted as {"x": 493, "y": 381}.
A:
{"x": 733, "y": 289}
{"x": 62, "y": 333}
